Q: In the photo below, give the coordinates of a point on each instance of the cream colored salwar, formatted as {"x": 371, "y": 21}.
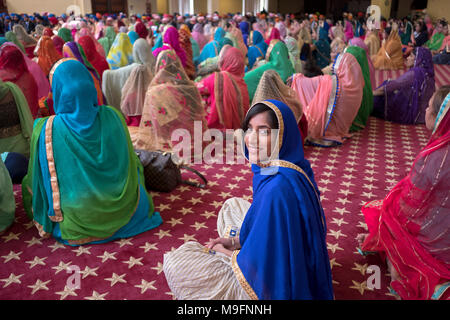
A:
{"x": 194, "y": 272}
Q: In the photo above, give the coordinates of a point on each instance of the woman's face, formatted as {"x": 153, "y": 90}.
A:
{"x": 430, "y": 115}
{"x": 258, "y": 138}
{"x": 410, "y": 60}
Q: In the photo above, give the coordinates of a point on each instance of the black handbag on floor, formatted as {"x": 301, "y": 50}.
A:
{"x": 162, "y": 174}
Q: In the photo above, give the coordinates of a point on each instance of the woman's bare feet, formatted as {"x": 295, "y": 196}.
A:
{"x": 394, "y": 274}
{"x": 361, "y": 237}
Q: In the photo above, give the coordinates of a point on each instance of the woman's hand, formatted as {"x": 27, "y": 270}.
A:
{"x": 226, "y": 243}
{"x": 378, "y": 92}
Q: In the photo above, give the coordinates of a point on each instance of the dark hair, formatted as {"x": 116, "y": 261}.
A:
{"x": 260, "y": 108}
{"x": 439, "y": 97}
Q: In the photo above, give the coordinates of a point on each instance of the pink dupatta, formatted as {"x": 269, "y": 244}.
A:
{"x": 226, "y": 91}
{"x": 410, "y": 226}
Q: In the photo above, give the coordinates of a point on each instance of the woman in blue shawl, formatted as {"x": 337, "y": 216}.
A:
{"x": 245, "y": 29}
{"x": 257, "y": 49}
{"x": 212, "y": 48}
{"x": 277, "y": 250}
{"x": 322, "y": 48}
{"x": 85, "y": 183}
{"x": 133, "y": 36}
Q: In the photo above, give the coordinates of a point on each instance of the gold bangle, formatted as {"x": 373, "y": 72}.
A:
{"x": 232, "y": 243}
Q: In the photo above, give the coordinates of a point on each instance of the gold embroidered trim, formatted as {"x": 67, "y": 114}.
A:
{"x": 58, "y": 217}
{"x": 269, "y": 50}
{"x": 240, "y": 276}
{"x": 41, "y": 231}
{"x": 280, "y": 122}
{"x": 52, "y": 70}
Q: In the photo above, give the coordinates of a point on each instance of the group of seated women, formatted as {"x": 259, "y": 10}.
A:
{"x": 97, "y": 99}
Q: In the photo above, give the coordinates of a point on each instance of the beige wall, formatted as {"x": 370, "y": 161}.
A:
{"x": 53, "y": 6}
{"x": 439, "y": 9}
{"x": 137, "y": 6}
{"x": 200, "y": 6}
{"x": 162, "y": 6}
{"x": 232, "y": 6}
{"x": 385, "y": 9}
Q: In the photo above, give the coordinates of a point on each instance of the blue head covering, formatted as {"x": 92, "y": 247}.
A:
{"x": 75, "y": 101}
{"x": 245, "y": 27}
{"x": 219, "y": 36}
{"x": 212, "y": 48}
{"x": 284, "y": 253}
{"x": 258, "y": 49}
{"x": 133, "y": 36}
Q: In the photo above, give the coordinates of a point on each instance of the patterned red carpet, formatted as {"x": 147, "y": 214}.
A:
{"x": 362, "y": 169}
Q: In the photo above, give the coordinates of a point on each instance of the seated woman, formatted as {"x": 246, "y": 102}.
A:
{"x": 28, "y": 41}
{"x": 13, "y": 68}
{"x": 212, "y": 48}
{"x": 366, "y": 107}
{"x": 46, "y": 54}
{"x": 409, "y": 228}
{"x": 109, "y": 200}
{"x": 390, "y": 55}
{"x": 171, "y": 41}
{"x": 187, "y": 46}
{"x": 372, "y": 41}
{"x": 321, "y": 49}
{"x": 65, "y": 34}
{"x": 358, "y": 42}
{"x": 331, "y": 103}
{"x": 442, "y": 56}
{"x": 271, "y": 87}
{"x": 198, "y": 35}
{"x": 107, "y": 40}
{"x": 310, "y": 68}
{"x": 121, "y": 52}
{"x": 16, "y": 125}
{"x": 435, "y": 43}
{"x": 405, "y": 99}
{"x": 240, "y": 264}
{"x": 225, "y": 92}
{"x": 93, "y": 56}
{"x": 210, "y": 65}
{"x": 114, "y": 80}
{"x": 16, "y": 120}
{"x": 337, "y": 46}
{"x": 58, "y": 42}
{"x": 11, "y": 37}
{"x": 133, "y": 94}
{"x": 74, "y": 50}
{"x": 172, "y": 102}
{"x": 277, "y": 58}
{"x": 294, "y": 53}
{"x": 257, "y": 48}
{"x": 274, "y": 35}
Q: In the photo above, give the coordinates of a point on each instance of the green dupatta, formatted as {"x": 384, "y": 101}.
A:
{"x": 435, "y": 42}
{"x": 367, "y": 101}
{"x": 278, "y": 60}
{"x": 19, "y": 143}
{"x": 98, "y": 190}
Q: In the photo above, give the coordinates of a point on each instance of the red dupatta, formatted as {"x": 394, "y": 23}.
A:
{"x": 94, "y": 57}
{"x": 13, "y": 68}
{"x": 231, "y": 100}
{"x": 410, "y": 226}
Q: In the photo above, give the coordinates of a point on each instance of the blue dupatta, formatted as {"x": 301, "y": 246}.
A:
{"x": 257, "y": 49}
{"x": 323, "y": 49}
{"x": 212, "y": 48}
{"x": 284, "y": 253}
